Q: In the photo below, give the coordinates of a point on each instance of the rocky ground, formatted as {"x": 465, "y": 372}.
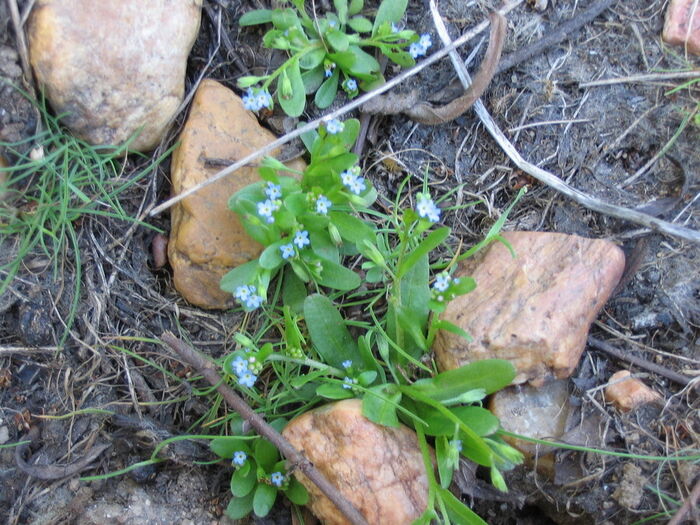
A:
{"x": 593, "y": 136}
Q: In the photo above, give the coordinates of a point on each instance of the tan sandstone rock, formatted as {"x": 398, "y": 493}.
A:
{"x": 539, "y": 413}
{"x": 378, "y": 469}
{"x": 207, "y": 239}
{"x": 682, "y": 26}
{"x": 533, "y": 310}
{"x": 114, "y": 66}
{"x": 627, "y": 393}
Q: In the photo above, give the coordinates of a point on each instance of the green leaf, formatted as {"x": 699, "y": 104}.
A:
{"x": 293, "y": 291}
{"x": 326, "y": 93}
{"x": 379, "y": 405}
{"x": 297, "y": 493}
{"x": 239, "y": 276}
{"x": 415, "y": 298}
{"x": 284, "y": 18}
{"x": 337, "y": 276}
{"x": 245, "y": 82}
{"x": 341, "y": 7}
{"x": 258, "y": 16}
{"x": 480, "y": 420}
{"x": 271, "y": 257}
{"x": 489, "y": 374}
{"x": 328, "y": 332}
{"x": 242, "y": 482}
{"x": 294, "y": 105}
{"x": 443, "y": 324}
{"x": 323, "y": 246}
{"x": 458, "y": 511}
{"x": 360, "y": 24}
{"x": 431, "y": 241}
{"x": 351, "y": 228}
{"x": 389, "y": 11}
{"x": 265, "y": 454}
{"x": 239, "y": 507}
{"x": 333, "y": 391}
{"x": 365, "y": 66}
{"x": 337, "y": 40}
{"x": 312, "y": 80}
{"x": 444, "y": 462}
{"x": 312, "y": 59}
{"x": 402, "y": 58}
{"x": 264, "y": 499}
{"x": 356, "y": 6}
{"x": 224, "y": 447}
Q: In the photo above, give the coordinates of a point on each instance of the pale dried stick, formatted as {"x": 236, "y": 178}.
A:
{"x": 466, "y": 37}
{"x": 647, "y": 77}
{"x": 543, "y": 176}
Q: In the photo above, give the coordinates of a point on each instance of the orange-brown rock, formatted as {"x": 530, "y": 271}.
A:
{"x": 539, "y": 413}
{"x": 114, "y": 67}
{"x": 535, "y": 309}
{"x": 379, "y": 469}
{"x": 682, "y": 26}
{"x": 207, "y": 239}
{"x": 627, "y": 393}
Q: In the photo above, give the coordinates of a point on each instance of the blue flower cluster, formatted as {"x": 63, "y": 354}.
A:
{"x": 420, "y": 48}
{"x": 239, "y": 458}
{"x": 334, "y": 126}
{"x": 248, "y": 296}
{"x": 322, "y": 204}
{"x": 256, "y": 99}
{"x": 426, "y": 208}
{"x": 245, "y": 375}
{"x": 350, "y": 86}
{"x": 351, "y": 179}
{"x": 441, "y": 284}
{"x": 277, "y": 479}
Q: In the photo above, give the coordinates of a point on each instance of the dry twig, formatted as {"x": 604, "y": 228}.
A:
{"x": 205, "y": 367}
{"x": 545, "y": 177}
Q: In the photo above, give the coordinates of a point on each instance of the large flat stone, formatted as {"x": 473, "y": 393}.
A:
{"x": 682, "y": 25}
{"x": 534, "y": 310}
{"x": 379, "y": 469}
{"x": 207, "y": 239}
{"x": 113, "y": 66}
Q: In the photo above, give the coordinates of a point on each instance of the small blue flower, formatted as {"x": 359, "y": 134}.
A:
{"x": 273, "y": 191}
{"x": 242, "y": 293}
{"x": 394, "y": 28}
{"x": 254, "y": 301}
{"x": 347, "y": 382}
{"x": 442, "y": 282}
{"x": 256, "y": 99}
{"x": 322, "y": 204}
{"x": 266, "y": 209}
{"x": 425, "y": 42}
{"x": 240, "y": 366}
{"x": 347, "y": 177}
{"x": 247, "y": 379}
{"x": 328, "y": 69}
{"x": 277, "y": 479}
{"x": 332, "y": 23}
{"x": 264, "y": 99}
{"x": 350, "y": 85}
{"x": 250, "y": 101}
{"x": 457, "y": 443}
{"x": 347, "y": 364}
{"x": 416, "y": 50}
{"x": 287, "y": 250}
{"x": 426, "y": 208}
{"x": 358, "y": 185}
{"x": 301, "y": 239}
{"x": 334, "y": 126}
{"x": 239, "y": 458}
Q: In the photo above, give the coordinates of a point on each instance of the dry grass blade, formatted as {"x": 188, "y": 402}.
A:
{"x": 545, "y": 177}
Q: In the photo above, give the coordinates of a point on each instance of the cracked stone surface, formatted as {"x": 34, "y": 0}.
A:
{"x": 534, "y": 310}
{"x": 207, "y": 239}
{"x": 379, "y": 469}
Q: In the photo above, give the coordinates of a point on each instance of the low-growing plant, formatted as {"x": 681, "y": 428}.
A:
{"x": 310, "y": 223}
{"x": 328, "y": 52}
